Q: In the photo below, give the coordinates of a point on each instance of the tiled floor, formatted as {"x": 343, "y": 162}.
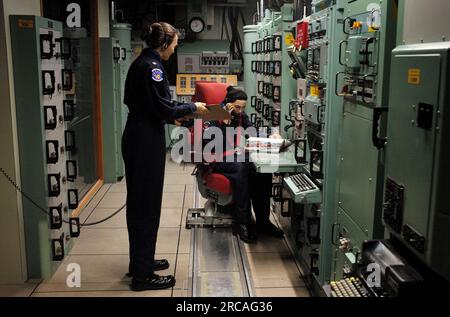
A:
{"x": 102, "y": 250}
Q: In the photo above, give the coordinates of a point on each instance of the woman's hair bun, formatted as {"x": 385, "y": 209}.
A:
{"x": 234, "y": 94}
{"x": 158, "y": 34}
{"x": 146, "y": 32}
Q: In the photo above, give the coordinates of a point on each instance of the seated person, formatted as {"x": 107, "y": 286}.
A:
{"x": 249, "y": 187}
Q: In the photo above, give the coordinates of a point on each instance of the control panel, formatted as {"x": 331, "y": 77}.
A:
{"x": 45, "y": 103}
{"x": 186, "y": 82}
{"x": 215, "y": 62}
{"x": 349, "y": 287}
{"x": 303, "y": 189}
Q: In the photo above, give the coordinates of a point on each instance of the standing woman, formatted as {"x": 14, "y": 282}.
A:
{"x": 148, "y": 98}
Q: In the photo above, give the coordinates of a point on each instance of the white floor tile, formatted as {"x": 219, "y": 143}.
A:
{"x": 274, "y": 270}
{"x": 17, "y": 290}
{"x": 118, "y": 221}
{"x": 98, "y": 273}
{"x": 101, "y": 241}
{"x": 113, "y": 200}
{"x": 171, "y": 217}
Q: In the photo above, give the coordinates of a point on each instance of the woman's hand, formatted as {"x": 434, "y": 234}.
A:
{"x": 229, "y": 107}
{"x": 201, "y": 108}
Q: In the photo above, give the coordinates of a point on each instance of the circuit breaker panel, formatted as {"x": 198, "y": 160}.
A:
{"x": 42, "y": 89}
{"x": 112, "y": 113}
{"x": 369, "y": 36}
{"x": 275, "y": 87}
{"x": 313, "y": 190}
{"x": 416, "y": 201}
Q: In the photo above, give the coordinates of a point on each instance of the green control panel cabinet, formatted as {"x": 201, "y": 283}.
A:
{"x": 417, "y": 204}
{"x": 46, "y": 143}
{"x": 369, "y": 36}
{"x": 312, "y": 210}
{"x": 267, "y": 61}
{"x": 112, "y": 114}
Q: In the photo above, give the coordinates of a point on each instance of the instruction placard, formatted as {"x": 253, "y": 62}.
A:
{"x": 414, "y": 76}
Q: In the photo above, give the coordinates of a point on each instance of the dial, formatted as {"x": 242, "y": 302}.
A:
{"x": 197, "y": 25}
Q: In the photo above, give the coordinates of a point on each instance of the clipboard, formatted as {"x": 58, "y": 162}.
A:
{"x": 216, "y": 113}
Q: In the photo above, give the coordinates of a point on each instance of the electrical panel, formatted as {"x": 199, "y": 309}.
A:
{"x": 369, "y": 36}
{"x": 250, "y": 37}
{"x": 416, "y": 204}
{"x": 271, "y": 107}
{"x": 194, "y": 59}
{"x": 78, "y": 108}
{"x": 112, "y": 114}
{"x": 318, "y": 117}
{"x": 214, "y": 62}
{"x": 44, "y": 87}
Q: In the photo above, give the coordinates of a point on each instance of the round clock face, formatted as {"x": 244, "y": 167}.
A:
{"x": 196, "y": 25}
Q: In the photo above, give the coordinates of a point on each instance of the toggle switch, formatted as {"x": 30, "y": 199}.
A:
{"x": 54, "y": 185}
{"x": 75, "y": 228}
{"x": 71, "y": 170}
{"x": 72, "y": 198}
{"x": 50, "y": 114}
{"x": 69, "y": 110}
{"x": 47, "y": 46}
{"x": 67, "y": 79}
{"x": 65, "y": 48}
{"x": 69, "y": 137}
{"x": 48, "y": 82}
{"x": 58, "y": 248}
{"x": 52, "y": 149}
{"x": 56, "y": 217}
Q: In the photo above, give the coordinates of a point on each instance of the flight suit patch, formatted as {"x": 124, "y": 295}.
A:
{"x": 157, "y": 75}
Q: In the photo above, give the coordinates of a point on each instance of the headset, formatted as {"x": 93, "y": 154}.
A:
{"x": 165, "y": 43}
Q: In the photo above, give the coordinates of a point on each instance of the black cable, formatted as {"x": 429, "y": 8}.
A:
{"x": 45, "y": 210}
{"x": 224, "y": 21}
{"x": 223, "y": 18}
{"x": 232, "y": 33}
{"x": 242, "y": 17}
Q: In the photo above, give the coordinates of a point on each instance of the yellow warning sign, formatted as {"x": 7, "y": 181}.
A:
{"x": 314, "y": 91}
{"x": 414, "y": 76}
{"x": 26, "y": 24}
{"x": 289, "y": 39}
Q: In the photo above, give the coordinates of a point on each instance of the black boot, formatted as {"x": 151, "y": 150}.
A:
{"x": 155, "y": 282}
{"x": 269, "y": 229}
{"x": 159, "y": 265}
{"x": 244, "y": 232}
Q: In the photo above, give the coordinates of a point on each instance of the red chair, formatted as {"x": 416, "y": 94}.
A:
{"x": 216, "y": 188}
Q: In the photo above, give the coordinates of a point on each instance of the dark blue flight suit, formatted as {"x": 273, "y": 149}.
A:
{"x": 148, "y": 98}
{"x": 249, "y": 187}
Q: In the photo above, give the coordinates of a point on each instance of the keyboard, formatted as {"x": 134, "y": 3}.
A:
{"x": 302, "y": 182}
{"x": 349, "y": 287}
{"x": 302, "y": 189}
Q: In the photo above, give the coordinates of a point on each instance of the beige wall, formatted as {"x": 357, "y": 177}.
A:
{"x": 12, "y": 240}
{"x": 103, "y": 18}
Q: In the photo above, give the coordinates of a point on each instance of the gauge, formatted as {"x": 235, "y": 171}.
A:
{"x": 196, "y": 25}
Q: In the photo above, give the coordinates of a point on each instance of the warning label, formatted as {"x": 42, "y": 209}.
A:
{"x": 26, "y": 24}
{"x": 414, "y": 76}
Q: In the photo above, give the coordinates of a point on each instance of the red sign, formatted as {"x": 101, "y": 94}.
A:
{"x": 302, "y": 35}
